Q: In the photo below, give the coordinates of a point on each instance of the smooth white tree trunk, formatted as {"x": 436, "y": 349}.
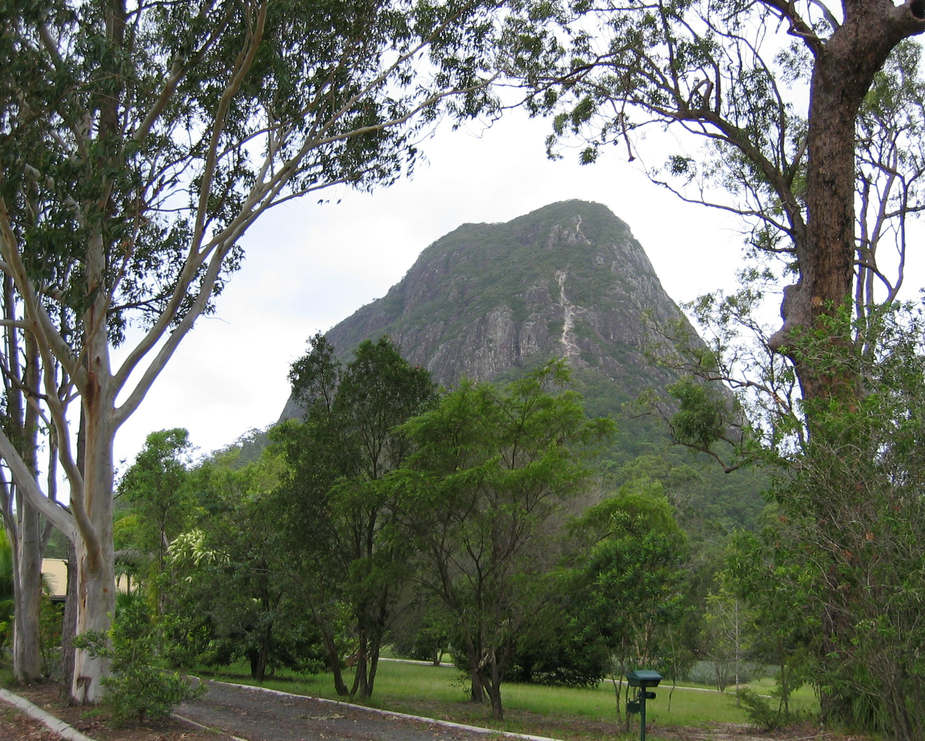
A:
{"x": 96, "y": 581}
{"x": 95, "y": 605}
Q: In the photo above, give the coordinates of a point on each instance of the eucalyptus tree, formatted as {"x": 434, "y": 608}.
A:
{"x": 20, "y": 370}
{"x": 138, "y": 143}
{"x": 800, "y": 122}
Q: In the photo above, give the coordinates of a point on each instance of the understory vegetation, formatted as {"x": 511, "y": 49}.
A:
{"x": 476, "y": 526}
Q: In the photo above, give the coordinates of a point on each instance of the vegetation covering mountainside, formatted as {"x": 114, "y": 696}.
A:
{"x": 566, "y": 280}
{"x": 491, "y": 301}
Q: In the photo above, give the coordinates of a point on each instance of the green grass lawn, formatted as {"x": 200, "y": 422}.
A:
{"x": 561, "y": 712}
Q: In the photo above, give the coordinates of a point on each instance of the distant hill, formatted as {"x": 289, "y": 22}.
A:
{"x": 488, "y": 301}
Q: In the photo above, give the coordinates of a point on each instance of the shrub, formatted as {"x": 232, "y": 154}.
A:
{"x": 140, "y": 686}
{"x": 759, "y": 710}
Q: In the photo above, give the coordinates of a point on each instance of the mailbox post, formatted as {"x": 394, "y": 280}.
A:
{"x": 643, "y": 679}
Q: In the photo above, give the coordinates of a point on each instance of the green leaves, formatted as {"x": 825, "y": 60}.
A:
{"x": 341, "y": 513}
{"x": 484, "y": 491}
{"x": 700, "y": 419}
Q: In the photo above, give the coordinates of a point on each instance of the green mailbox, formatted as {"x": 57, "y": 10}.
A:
{"x": 643, "y": 679}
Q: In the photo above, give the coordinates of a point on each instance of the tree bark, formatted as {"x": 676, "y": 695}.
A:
{"x": 340, "y": 687}
{"x": 493, "y": 687}
{"x": 476, "y": 690}
{"x": 27, "y": 656}
{"x": 69, "y": 620}
{"x": 843, "y": 73}
{"x": 27, "y": 539}
{"x": 95, "y": 604}
{"x": 360, "y": 679}
{"x": 95, "y": 553}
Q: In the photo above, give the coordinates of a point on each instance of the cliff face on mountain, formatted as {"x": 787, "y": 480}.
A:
{"x": 490, "y": 301}
{"x": 567, "y": 280}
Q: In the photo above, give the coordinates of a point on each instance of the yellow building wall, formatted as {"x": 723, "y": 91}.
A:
{"x": 54, "y": 571}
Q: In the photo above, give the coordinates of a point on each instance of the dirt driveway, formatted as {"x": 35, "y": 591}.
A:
{"x": 265, "y": 715}
{"x": 229, "y": 712}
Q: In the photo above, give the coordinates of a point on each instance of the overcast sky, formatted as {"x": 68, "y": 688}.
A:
{"x": 308, "y": 266}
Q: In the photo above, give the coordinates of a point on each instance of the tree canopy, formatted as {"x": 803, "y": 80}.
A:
{"x": 138, "y": 144}
{"x": 804, "y": 109}
{"x": 490, "y": 472}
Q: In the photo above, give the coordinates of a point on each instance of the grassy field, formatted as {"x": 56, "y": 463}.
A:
{"x": 561, "y": 712}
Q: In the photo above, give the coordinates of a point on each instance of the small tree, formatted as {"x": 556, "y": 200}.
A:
{"x": 766, "y": 574}
{"x": 234, "y": 593}
{"x": 140, "y": 687}
{"x": 631, "y": 573}
{"x": 489, "y": 475}
{"x": 724, "y": 637}
{"x": 339, "y": 458}
{"x": 157, "y": 489}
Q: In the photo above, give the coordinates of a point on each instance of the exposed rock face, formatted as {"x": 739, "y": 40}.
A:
{"x": 568, "y": 280}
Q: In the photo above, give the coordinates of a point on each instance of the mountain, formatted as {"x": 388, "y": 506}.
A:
{"x": 485, "y": 300}
{"x": 488, "y": 301}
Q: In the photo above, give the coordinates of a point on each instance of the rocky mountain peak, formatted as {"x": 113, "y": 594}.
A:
{"x": 567, "y": 280}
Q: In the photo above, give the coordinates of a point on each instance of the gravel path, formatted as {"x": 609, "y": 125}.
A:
{"x": 258, "y": 714}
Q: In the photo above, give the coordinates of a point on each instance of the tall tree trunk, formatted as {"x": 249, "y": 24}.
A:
{"x": 27, "y": 541}
{"x": 95, "y": 604}
{"x": 95, "y": 555}
{"x": 69, "y": 620}
{"x": 27, "y": 656}
{"x": 842, "y": 75}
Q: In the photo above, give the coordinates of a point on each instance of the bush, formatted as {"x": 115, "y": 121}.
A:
{"x": 759, "y": 710}
{"x": 140, "y": 686}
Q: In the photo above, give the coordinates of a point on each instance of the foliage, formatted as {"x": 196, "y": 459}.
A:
{"x": 631, "y": 577}
{"x": 725, "y": 638}
{"x": 232, "y": 596}
{"x": 421, "y": 630}
{"x": 341, "y": 517}
{"x": 767, "y": 574}
{"x": 140, "y": 687}
{"x": 50, "y": 618}
{"x": 759, "y": 710}
{"x": 854, "y": 505}
{"x": 561, "y": 646}
{"x": 157, "y": 489}
{"x": 490, "y": 469}
{"x": 139, "y": 143}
